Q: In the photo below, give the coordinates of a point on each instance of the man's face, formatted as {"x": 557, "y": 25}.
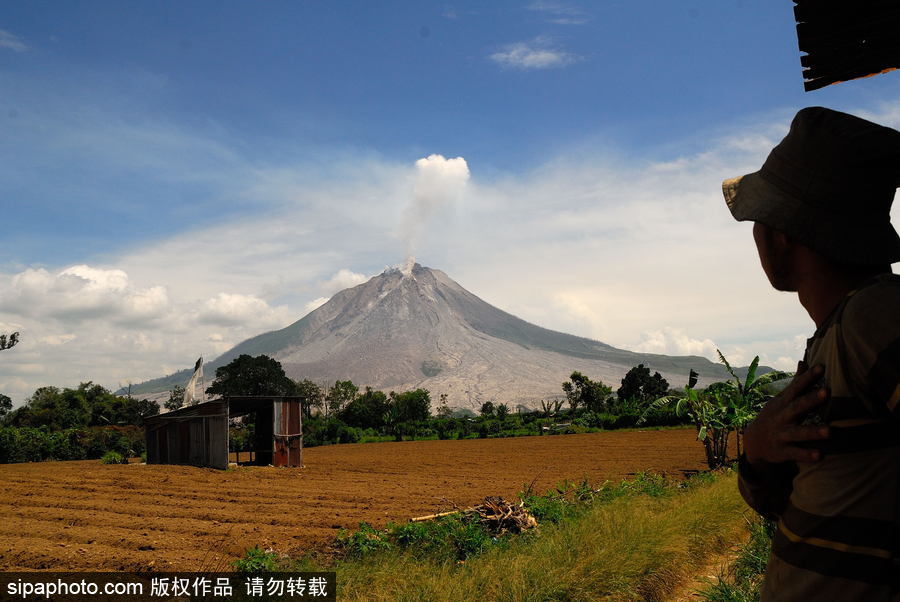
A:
{"x": 774, "y": 256}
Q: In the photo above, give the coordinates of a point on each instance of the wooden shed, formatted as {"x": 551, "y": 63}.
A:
{"x": 198, "y": 434}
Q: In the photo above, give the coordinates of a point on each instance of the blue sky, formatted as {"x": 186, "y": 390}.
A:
{"x": 175, "y": 177}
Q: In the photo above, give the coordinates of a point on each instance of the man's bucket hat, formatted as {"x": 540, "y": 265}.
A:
{"x": 829, "y": 185}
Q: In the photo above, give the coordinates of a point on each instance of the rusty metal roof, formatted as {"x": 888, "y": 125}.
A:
{"x": 844, "y": 39}
{"x": 223, "y": 406}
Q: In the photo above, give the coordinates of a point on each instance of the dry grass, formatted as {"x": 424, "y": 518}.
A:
{"x": 634, "y": 548}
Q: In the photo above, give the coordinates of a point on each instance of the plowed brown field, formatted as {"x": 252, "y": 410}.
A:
{"x": 88, "y": 516}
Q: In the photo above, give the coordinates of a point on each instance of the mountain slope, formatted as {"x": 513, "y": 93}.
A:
{"x": 419, "y": 328}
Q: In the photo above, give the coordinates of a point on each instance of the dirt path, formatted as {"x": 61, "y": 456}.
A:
{"x": 715, "y": 566}
{"x": 88, "y": 516}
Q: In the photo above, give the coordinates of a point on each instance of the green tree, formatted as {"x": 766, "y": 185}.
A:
{"x": 487, "y": 408}
{"x": 311, "y": 396}
{"x": 412, "y": 405}
{"x": 404, "y": 408}
{"x": 176, "y": 398}
{"x": 246, "y": 375}
{"x": 444, "y": 411}
{"x": 5, "y": 406}
{"x": 88, "y": 405}
{"x": 393, "y": 418}
{"x": 584, "y": 392}
{"x": 366, "y": 410}
{"x": 502, "y": 410}
{"x": 340, "y": 394}
{"x": 8, "y": 341}
{"x": 638, "y": 385}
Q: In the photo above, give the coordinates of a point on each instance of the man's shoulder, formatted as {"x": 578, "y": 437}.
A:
{"x": 868, "y": 340}
{"x": 874, "y": 308}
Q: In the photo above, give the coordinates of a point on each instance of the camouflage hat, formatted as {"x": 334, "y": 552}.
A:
{"x": 829, "y": 185}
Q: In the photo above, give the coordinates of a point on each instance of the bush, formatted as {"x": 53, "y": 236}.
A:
{"x": 319, "y": 431}
{"x": 458, "y": 537}
{"x": 363, "y": 542}
{"x": 647, "y": 483}
{"x": 19, "y": 445}
{"x": 28, "y": 444}
{"x": 557, "y": 504}
{"x": 112, "y": 457}
{"x": 256, "y": 561}
{"x": 64, "y": 445}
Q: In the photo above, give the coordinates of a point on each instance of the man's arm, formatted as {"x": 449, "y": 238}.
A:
{"x": 772, "y": 443}
{"x": 884, "y": 379}
{"x": 766, "y": 489}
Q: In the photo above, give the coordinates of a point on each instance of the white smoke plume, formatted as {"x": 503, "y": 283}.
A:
{"x": 439, "y": 182}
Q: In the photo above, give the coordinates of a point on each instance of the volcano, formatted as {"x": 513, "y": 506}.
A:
{"x": 416, "y": 327}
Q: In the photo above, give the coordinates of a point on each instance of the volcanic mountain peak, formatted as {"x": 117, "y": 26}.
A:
{"x": 414, "y": 326}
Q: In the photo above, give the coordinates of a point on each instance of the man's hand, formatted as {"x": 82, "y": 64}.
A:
{"x": 773, "y": 436}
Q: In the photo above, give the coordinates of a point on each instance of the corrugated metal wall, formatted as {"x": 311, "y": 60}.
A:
{"x": 198, "y": 435}
{"x": 288, "y": 435}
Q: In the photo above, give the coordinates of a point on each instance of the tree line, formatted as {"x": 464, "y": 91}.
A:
{"x": 342, "y": 413}
{"x": 87, "y": 421}
{"x": 72, "y": 424}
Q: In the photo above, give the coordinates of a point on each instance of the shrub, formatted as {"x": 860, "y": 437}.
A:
{"x": 64, "y": 445}
{"x": 363, "y": 542}
{"x": 256, "y": 561}
{"x": 112, "y": 457}
{"x": 458, "y": 537}
{"x": 566, "y": 500}
{"x": 647, "y": 483}
{"x": 347, "y": 434}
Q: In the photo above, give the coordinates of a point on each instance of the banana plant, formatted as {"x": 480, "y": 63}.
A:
{"x": 722, "y": 408}
{"x": 748, "y": 396}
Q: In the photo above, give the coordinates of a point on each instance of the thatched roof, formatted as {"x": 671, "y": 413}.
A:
{"x": 847, "y": 39}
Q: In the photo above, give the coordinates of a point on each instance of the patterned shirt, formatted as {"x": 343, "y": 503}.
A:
{"x": 838, "y": 535}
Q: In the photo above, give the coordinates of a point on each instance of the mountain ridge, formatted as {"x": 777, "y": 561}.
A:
{"x": 418, "y": 327}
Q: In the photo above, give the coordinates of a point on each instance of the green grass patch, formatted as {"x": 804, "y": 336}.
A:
{"x": 256, "y": 560}
{"x": 112, "y": 457}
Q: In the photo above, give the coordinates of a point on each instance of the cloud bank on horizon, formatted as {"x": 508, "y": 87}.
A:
{"x": 168, "y": 195}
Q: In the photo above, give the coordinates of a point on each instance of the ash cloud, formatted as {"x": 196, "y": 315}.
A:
{"x": 439, "y": 182}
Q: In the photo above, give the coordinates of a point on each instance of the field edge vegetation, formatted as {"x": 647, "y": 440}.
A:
{"x": 642, "y": 539}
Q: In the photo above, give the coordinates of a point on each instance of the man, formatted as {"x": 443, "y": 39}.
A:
{"x": 823, "y": 457}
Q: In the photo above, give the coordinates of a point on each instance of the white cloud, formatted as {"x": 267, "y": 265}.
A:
{"x": 11, "y": 41}
{"x": 315, "y": 304}
{"x": 675, "y": 341}
{"x": 560, "y": 13}
{"x": 342, "y": 279}
{"x": 91, "y": 323}
{"x": 98, "y": 279}
{"x": 81, "y": 292}
{"x": 229, "y": 309}
{"x": 55, "y": 340}
{"x": 537, "y": 54}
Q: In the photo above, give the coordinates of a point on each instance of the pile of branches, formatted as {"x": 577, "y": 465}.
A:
{"x": 500, "y": 516}
{"x": 496, "y": 514}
